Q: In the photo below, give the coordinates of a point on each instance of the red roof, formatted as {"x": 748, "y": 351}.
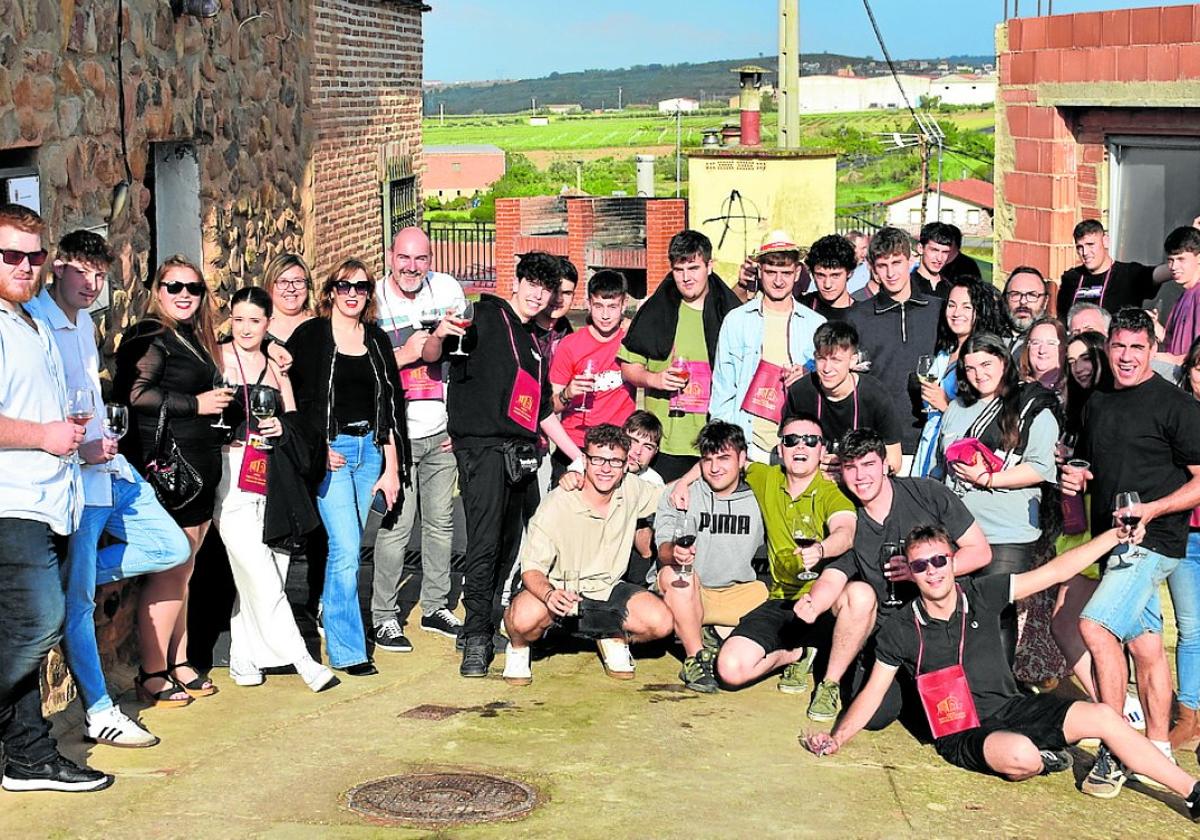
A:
{"x": 972, "y": 190}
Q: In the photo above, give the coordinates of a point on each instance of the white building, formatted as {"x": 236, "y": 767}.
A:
{"x": 830, "y": 94}
{"x": 967, "y": 203}
{"x": 679, "y": 103}
{"x": 964, "y": 89}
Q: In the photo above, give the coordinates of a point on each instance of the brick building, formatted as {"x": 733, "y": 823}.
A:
{"x": 456, "y": 171}
{"x": 1096, "y": 117}
{"x": 275, "y": 125}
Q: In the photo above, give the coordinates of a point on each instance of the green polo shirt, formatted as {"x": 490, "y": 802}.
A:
{"x": 810, "y": 512}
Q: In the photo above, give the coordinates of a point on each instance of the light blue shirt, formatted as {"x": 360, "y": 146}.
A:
{"x": 739, "y": 350}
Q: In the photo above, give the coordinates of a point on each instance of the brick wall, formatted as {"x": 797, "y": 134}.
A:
{"x": 365, "y": 94}
{"x": 1066, "y": 83}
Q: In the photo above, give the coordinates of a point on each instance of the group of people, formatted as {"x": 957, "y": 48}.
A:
{"x": 901, "y": 468}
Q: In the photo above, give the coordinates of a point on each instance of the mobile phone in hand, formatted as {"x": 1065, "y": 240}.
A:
{"x": 379, "y": 504}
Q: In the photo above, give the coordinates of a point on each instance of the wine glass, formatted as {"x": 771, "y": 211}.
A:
{"x": 429, "y": 319}
{"x": 81, "y": 407}
{"x": 1125, "y": 503}
{"x": 462, "y": 319}
{"x": 800, "y": 533}
{"x": 116, "y": 424}
{"x": 262, "y": 406}
{"x": 678, "y": 368}
{"x": 684, "y": 536}
{"x": 222, "y": 382}
{"x": 571, "y": 587}
{"x": 925, "y": 370}
{"x": 891, "y": 551}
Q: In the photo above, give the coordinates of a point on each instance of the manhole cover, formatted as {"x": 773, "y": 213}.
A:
{"x": 439, "y": 799}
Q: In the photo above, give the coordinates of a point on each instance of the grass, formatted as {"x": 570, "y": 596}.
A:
{"x": 512, "y": 132}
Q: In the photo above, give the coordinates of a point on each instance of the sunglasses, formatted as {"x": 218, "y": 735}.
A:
{"x": 793, "y": 439}
{"x": 343, "y": 287}
{"x": 194, "y": 288}
{"x": 14, "y": 257}
{"x": 937, "y": 561}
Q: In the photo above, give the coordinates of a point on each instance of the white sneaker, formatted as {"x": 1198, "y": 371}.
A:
{"x": 315, "y": 675}
{"x": 517, "y": 669}
{"x": 1154, "y": 783}
{"x": 115, "y": 728}
{"x": 1134, "y": 713}
{"x": 244, "y": 674}
{"x": 616, "y": 658}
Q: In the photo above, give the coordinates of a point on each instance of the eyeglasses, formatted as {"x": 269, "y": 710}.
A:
{"x": 795, "y": 440}
{"x": 1044, "y": 342}
{"x": 598, "y": 461}
{"x": 1021, "y": 297}
{"x": 284, "y": 283}
{"x": 195, "y": 288}
{"x": 343, "y": 287}
{"x": 937, "y": 561}
{"x": 14, "y": 257}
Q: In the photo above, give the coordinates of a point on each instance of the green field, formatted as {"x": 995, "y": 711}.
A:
{"x": 513, "y": 133}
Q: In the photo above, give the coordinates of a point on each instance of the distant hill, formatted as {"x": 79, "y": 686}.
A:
{"x": 711, "y": 81}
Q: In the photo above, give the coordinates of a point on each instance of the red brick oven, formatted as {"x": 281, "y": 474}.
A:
{"x": 1098, "y": 116}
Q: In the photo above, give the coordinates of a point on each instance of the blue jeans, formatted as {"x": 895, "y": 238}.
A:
{"x": 150, "y": 542}
{"x": 31, "y": 617}
{"x": 1184, "y": 584}
{"x": 344, "y": 500}
{"x": 1126, "y": 601}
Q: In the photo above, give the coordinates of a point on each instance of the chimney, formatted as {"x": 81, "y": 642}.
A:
{"x": 750, "y": 78}
{"x": 645, "y": 175}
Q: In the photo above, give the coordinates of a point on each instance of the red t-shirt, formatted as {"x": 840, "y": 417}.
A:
{"x": 613, "y": 399}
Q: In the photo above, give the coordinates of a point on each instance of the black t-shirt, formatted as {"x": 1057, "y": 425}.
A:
{"x": 875, "y": 408}
{"x": 1129, "y": 285}
{"x": 983, "y": 657}
{"x": 919, "y": 281}
{"x": 353, "y": 389}
{"x": 961, "y": 266}
{"x": 1142, "y": 439}
{"x": 915, "y": 501}
{"x": 817, "y": 303}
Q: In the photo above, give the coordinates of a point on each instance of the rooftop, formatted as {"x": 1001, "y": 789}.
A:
{"x": 465, "y": 149}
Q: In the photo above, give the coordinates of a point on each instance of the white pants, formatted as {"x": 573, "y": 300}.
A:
{"x": 262, "y": 630}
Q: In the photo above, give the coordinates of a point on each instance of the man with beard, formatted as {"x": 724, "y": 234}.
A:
{"x": 412, "y": 302}
{"x": 41, "y": 501}
{"x": 1026, "y": 294}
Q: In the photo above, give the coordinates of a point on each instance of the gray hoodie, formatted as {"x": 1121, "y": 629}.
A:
{"x": 728, "y": 532}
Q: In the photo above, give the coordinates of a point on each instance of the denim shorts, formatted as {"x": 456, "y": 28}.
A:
{"x": 1126, "y": 601}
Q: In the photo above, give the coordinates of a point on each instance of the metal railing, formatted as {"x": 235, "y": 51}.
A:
{"x": 465, "y": 250}
{"x": 867, "y": 217}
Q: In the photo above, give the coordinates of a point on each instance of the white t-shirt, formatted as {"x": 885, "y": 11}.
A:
{"x": 399, "y": 317}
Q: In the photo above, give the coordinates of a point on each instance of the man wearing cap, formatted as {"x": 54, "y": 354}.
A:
{"x": 763, "y": 348}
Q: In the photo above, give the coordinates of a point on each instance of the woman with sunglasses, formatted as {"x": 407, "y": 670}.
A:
{"x": 258, "y": 498}
{"x": 165, "y": 367}
{"x": 347, "y": 385}
{"x": 1010, "y": 432}
{"x": 970, "y": 305}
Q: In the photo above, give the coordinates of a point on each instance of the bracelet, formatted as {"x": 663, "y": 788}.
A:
{"x": 991, "y": 477}
{"x": 821, "y": 548}
{"x": 549, "y": 592}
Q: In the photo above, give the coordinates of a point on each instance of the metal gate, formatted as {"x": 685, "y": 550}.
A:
{"x": 465, "y": 250}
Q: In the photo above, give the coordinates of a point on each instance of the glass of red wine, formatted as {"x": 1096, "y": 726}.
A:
{"x": 891, "y": 552}
{"x": 801, "y": 528}
{"x": 462, "y": 319}
{"x": 684, "y": 536}
{"x": 679, "y": 369}
{"x": 1125, "y": 503}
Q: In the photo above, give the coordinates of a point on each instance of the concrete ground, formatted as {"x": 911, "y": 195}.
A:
{"x": 644, "y": 758}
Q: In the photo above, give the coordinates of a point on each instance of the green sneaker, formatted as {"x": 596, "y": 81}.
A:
{"x": 697, "y": 672}
{"x": 710, "y": 639}
{"x": 794, "y": 679}
{"x": 826, "y": 701}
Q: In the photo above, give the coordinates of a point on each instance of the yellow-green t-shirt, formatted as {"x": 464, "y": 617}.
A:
{"x": 775, "y": 351}
{"x": 679, "y": 433}
{"x": 810, "y": 511}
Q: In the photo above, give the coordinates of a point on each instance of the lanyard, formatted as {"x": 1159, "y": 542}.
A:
{"x": 1103, "y": 287}
{"x": 962, "y": 636}
{"x": 245, "y": 390}
{"x": 513, "y": 344}
{"x": 854, "y": 396}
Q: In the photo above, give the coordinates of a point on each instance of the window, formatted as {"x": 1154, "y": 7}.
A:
{"x": 401, "y": 199}
{"x": 19, "y": 182}
{"x": 972, "y": 217}
{"x": 174, "y": 213}
{"x": 1154, "y": 184}
{"x": 914, "y": 216}
{"x": 948, "y": 215}
{"x": 456, "y": 167}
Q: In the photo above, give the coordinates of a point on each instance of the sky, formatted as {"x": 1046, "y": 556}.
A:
{"x": 468, "y": 40}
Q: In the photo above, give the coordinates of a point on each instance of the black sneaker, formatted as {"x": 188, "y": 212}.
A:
{"x": 390, "y": 636}
{"x": 59, "y": 774}
{"x": 477, "y": 655}
{"x": 697, "y": 672}
{"x": 1056, "y": 761}
{"x": 442, "y": 621}
{"x": 1193, "y": 803}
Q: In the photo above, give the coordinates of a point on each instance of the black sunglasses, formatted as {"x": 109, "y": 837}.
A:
{"x": 193, "y": 288}
{"x": 343, "y": 287}
{"x": 13, "y": 257}
{"x": 793, "y": 439}
{"x": 937, "y": 561}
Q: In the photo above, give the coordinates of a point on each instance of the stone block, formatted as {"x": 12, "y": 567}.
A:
{"x": 95, "y": 74}
{"x": 1145, "y": 26}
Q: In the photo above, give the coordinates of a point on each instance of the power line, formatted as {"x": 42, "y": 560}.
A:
{"x": 891, "y": 64}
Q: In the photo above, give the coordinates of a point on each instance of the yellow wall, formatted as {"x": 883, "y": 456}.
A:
{"x": 794, "y": 193}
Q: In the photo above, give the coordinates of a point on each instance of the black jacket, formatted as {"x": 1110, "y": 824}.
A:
{"x": 296, "y": 456}
{"x": 652, "y": 331}
{"x": 312, "y": 374}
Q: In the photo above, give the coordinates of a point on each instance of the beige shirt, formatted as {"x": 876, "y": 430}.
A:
{"x": 566, "y": 533}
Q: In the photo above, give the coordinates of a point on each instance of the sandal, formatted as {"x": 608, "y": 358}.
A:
{"x": 165, "y": 699}
{"x": 202, "y": 686}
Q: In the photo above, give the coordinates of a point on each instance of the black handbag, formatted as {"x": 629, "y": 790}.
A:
{"x": 175, "y": 481}
{"x": 521, "y": 460}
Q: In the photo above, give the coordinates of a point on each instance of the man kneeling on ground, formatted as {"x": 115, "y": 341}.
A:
{"x": 573, "y": 557}
{"x": 706, "y": 553}
{"x": 949, "y": 640}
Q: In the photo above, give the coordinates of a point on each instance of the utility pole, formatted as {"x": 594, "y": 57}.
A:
{"x": 923, "y": 145}
{"x": 620, "y": 93}
{"x": 442, "y": 111}
{"x": 678, "y": 149}
{"x": 533, "y": 105}
{"x": 788, "y": 75}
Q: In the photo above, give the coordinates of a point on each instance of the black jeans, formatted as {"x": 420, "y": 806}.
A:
{"x": 496, "y": 512}
{"x": 32, "y": 607}
{"x": 1009, "y": 559}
